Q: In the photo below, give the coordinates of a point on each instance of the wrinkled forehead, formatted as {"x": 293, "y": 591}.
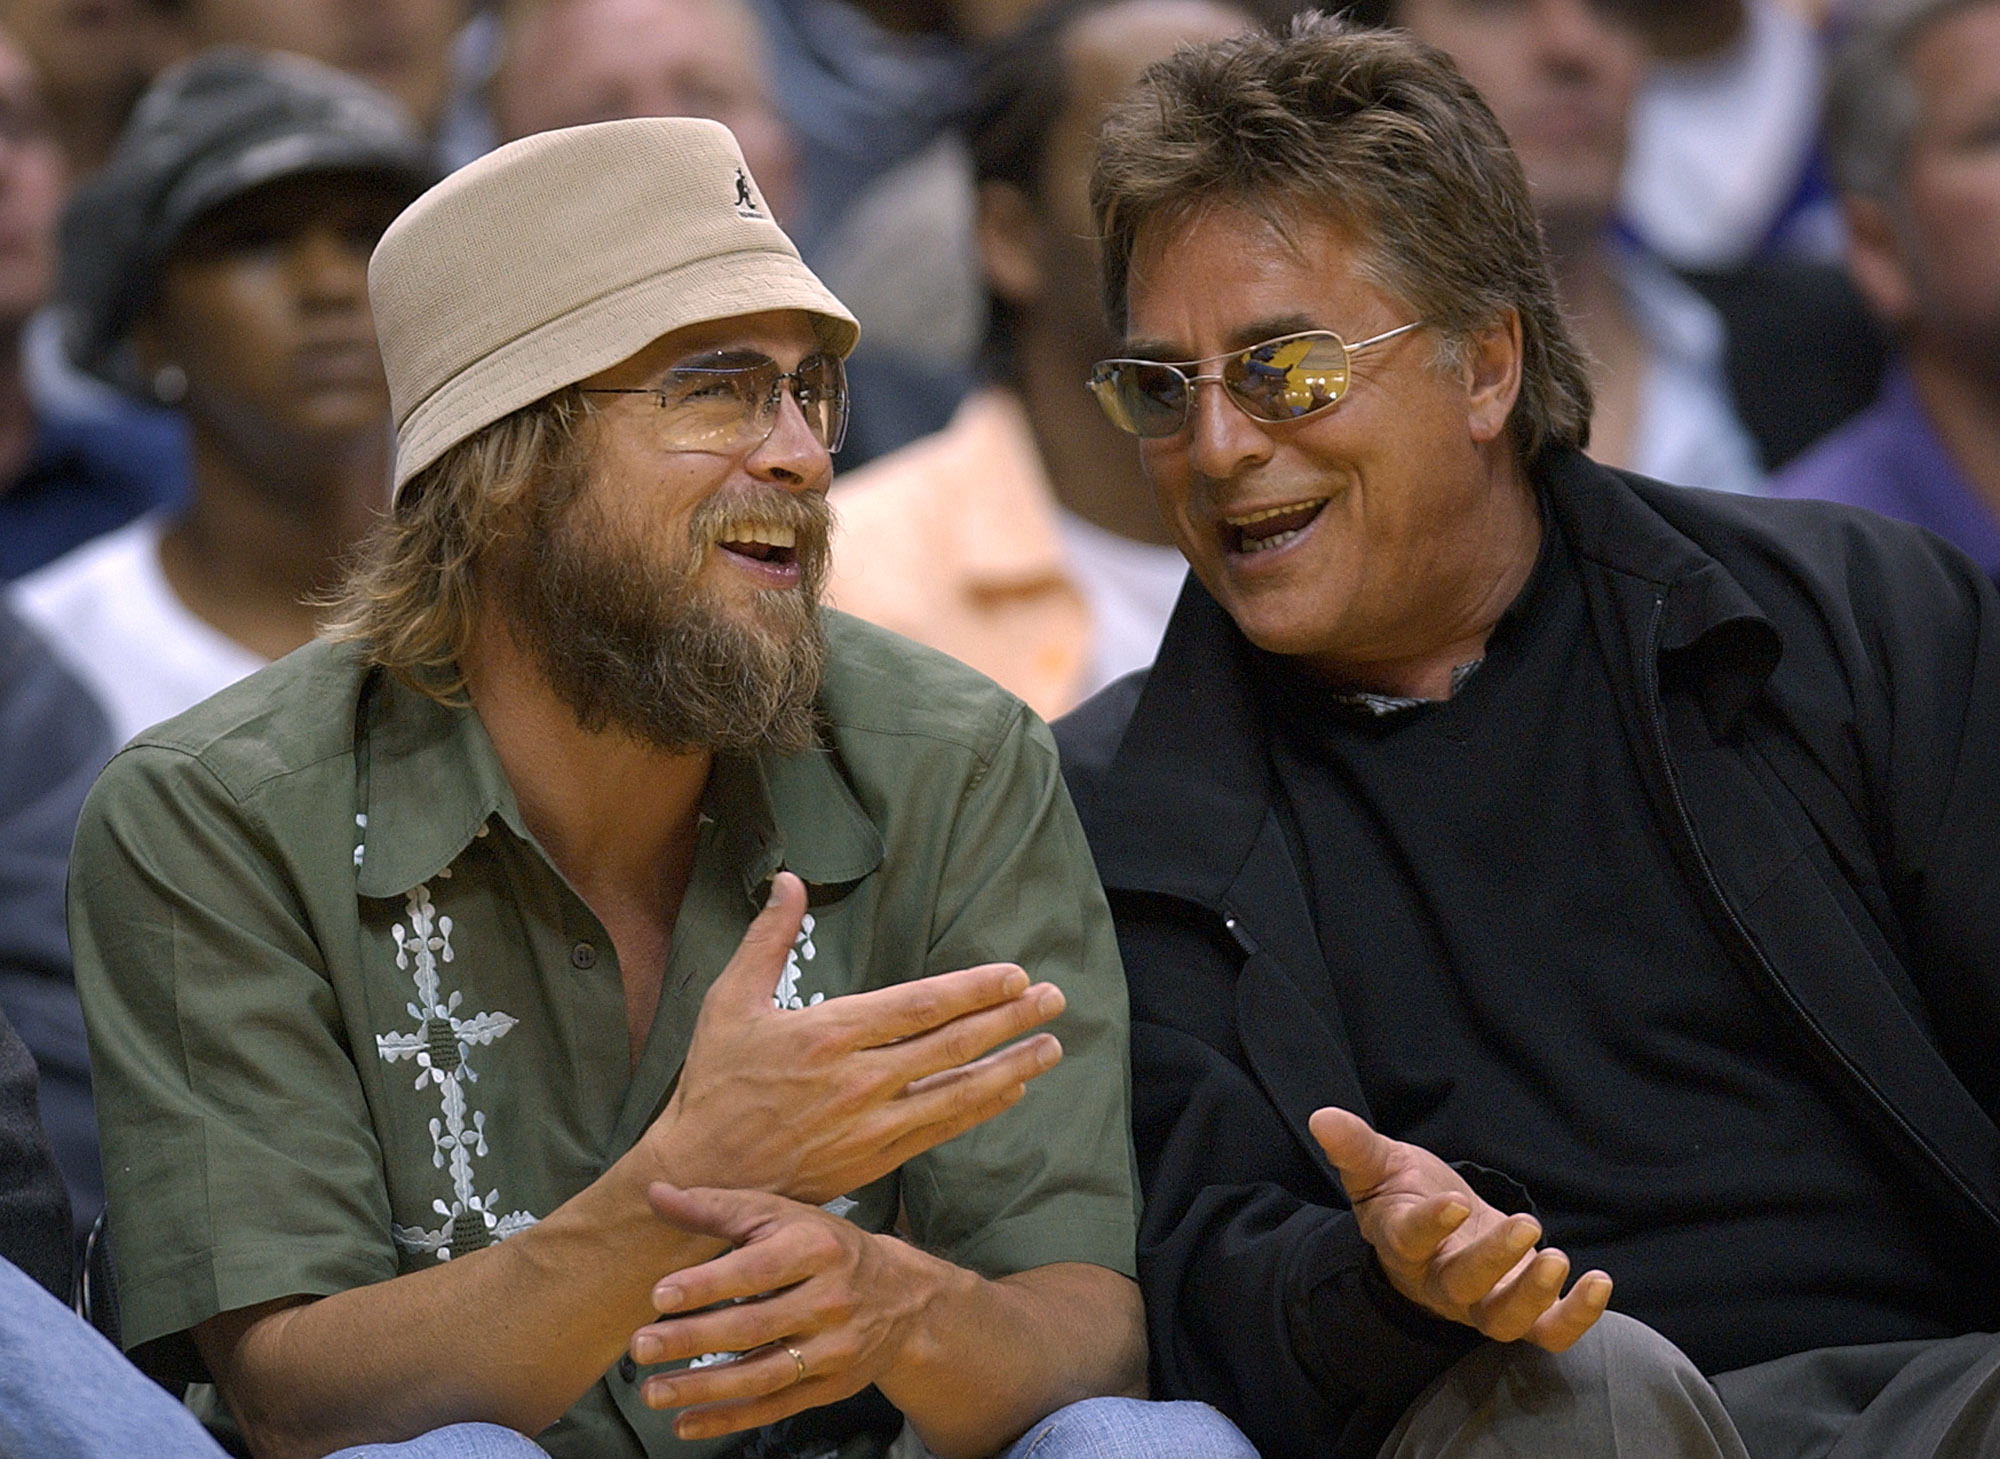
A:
{"x": 1303, "y": 233}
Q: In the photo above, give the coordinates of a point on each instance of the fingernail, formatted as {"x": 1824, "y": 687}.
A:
{"x": 1454, "y": 1215}
{"x": 667, "y": 1298}
{"x": 1050, "y": 1053}
{"x": 1015, "y": 983}
{"x": 658, "y": 1393}
{"x": 1051, "y": 1002}
{"x": 645, "y": 1350}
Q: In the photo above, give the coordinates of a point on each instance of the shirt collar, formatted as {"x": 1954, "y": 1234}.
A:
{"x": 1933, "y": 491}
{"x": 793, "y": 813}
{"x": 433, "y": 780}
{"x": 1005, "y": 525}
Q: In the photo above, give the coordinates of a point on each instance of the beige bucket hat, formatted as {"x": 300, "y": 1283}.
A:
{"x": 561, "y": 254}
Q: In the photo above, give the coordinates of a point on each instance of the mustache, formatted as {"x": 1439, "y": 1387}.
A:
{"x": 807, "y": 514}
{"x": 627, "y": 636}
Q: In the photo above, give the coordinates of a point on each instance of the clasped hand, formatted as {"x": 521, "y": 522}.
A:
{"x": 812, "y": 1103}
{"x": 1449, "y": 1251}
{"x": 816, "y": 1309}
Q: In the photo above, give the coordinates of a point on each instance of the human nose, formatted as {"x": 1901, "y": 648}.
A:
{"x": 327, "y": 269}
{"x": 791, "y": 454}
{"x": 1222, "y": 441}
{"x": 1572, "y": 33}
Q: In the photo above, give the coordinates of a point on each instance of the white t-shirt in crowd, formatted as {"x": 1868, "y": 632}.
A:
{"x": 1687, "y": 430}
{"x": 1131, "y": 588}
{"x": 1721, "y": 148}
{"x": 107, "y": 610}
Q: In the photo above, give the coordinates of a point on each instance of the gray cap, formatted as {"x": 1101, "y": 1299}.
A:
{"x": 206, "y": 132}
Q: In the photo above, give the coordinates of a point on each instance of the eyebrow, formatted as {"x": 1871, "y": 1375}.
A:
{"x": 718, "y": 357}
{"x": 1256, "y": 331}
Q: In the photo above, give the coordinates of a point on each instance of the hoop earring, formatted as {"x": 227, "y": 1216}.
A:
{"x": 170, "y": 385}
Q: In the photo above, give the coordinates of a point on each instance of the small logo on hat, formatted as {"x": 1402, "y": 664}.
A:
{"x": 746, "y": 205}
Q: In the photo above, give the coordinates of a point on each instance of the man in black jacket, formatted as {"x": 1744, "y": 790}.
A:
{"x": 1505, "y": 847}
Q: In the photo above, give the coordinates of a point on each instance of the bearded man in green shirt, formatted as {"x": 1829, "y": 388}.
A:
{"x": 544, "y": 1000}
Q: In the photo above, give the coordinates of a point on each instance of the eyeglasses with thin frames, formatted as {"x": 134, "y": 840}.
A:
{"x": 1279, "y": 380}
{"x": 725, "y": 407}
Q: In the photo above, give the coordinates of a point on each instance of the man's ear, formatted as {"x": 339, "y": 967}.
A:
{"x": 1876, "y": 261}
{"x": 1493, "y": 376}
{"x": 1009, "y": 236}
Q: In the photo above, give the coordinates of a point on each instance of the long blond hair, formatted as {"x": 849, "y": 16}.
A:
{"x": 412, "y": 596}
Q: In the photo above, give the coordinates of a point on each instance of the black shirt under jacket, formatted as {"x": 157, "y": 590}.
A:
{"x": 1527, "y": 981}
{"x": 1812, "y": 697}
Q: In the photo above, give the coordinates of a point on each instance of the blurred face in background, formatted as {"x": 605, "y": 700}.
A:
{"x": 1106, "y": 52}
{"x": 402, "y": 46}
{"x": 1561, "y": 77}
{"x": 31, "y": 190}
{"x": 570, "y": 62}
{"x": 93, "y": 56}
{"x": 1944, "y": 221}
{"x": 264, "y": 306}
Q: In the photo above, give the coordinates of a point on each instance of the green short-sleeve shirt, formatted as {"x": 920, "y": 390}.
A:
{"x": 346, "y": 1020}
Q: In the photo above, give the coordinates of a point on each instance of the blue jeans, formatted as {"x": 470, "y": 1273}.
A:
{"x": 66, "y": 1393}
{"x": 1126, "y": 1428}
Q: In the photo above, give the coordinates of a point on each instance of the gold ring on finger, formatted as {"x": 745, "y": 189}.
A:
{"x": 798, "y": 1360}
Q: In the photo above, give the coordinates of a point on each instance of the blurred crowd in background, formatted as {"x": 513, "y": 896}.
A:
{"x": 194, "y": 426}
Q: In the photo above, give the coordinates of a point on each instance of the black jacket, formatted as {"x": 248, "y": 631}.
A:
{"x": 1813, "y": 694}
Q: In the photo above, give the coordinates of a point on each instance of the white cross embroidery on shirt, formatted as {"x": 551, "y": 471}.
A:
{"x": 787, "y": 994}
{"x": 441, "y": 1045}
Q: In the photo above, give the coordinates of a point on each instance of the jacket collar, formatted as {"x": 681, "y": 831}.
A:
{"x": 1712, "y": 637}
{"x": 432, "y": 780}
{"x": 1187, "y": 821}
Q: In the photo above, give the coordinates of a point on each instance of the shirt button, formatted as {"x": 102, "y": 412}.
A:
{"x": 583, "y": 956}
{"x": 627, "y": 1369}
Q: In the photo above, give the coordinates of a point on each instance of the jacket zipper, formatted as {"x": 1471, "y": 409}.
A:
{"x": 1657, "y": 721}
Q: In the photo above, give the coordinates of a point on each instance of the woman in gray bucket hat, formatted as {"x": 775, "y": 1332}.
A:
{"x": 218, "y": 265}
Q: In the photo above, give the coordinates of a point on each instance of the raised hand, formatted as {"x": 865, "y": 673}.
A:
{"x": 816, "y": 1308}
{"x": 1450, "y": 1252}
{"x": 811, "y": 1103}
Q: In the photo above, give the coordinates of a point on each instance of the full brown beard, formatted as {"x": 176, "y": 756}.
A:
{"x": 632, "y": 643}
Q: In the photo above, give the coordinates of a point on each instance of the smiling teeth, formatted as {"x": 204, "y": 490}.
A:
{"x": 768, "y": 533}
{"x": 1265, "y": 544}
{"x": 1251, "y": 519}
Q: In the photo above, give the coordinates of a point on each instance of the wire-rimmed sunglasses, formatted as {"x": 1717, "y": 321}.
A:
{"x": 729, "y": 401}
{"x": 1282, "y": 379}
